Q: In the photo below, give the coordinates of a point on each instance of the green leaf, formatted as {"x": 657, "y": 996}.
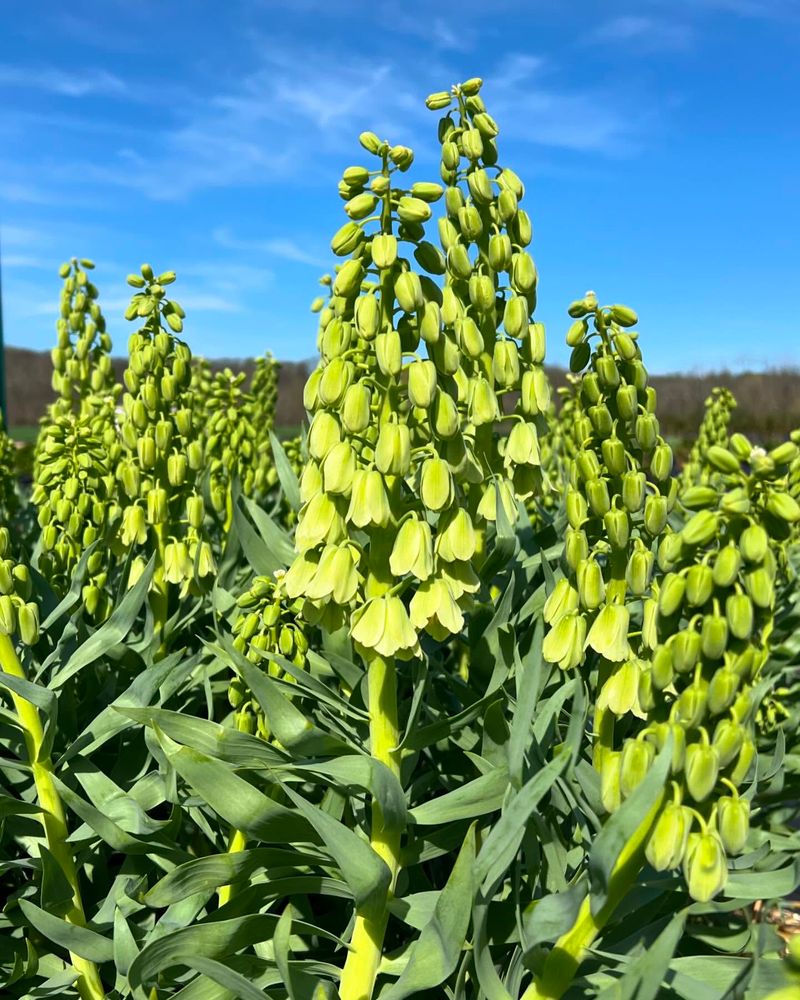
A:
{"x": 238, "y": 802}
{"x": 435, "y": 955}
{"x": 112, "y": 632}
{"x": 79, "y": 940}
{"x": 280, "y": 544}
{"x": 505, "y": 837}
{"x": 286, "y": 475}
{"x": 480, "y": 796}
{"x": 363, "y": 870}
{"x": 204, "y": 874}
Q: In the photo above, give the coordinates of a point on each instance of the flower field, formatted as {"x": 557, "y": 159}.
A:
{"x": 467, "y": 692}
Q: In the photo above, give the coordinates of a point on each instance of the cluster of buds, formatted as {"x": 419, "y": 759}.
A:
{"x": 614, "y": 512}
{"x": 231, "y": 442}
{"x": 264, "y": 390}
{"x": 715, "y": 616}
{"x": 161, "y": 470}
{"x": 713, "y": 431}
{"x": 78, "y": 446}
{"x": 19, "y": 615}
{"x": 82, "y": 366}
{"x": 405, "y": 467}
{"x": 686, "y": 673}
{"x": 268, "y": 622}
{"x": 75, "y": 490}
{"x": 9, "y": 497}
{"x": 201, "y": 386}
{"x": 793, "y": 484}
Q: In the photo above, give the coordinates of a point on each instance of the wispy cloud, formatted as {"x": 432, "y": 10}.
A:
{"x": 77, "y": 83}
{"x": 282, "y": 247}
{"x": 643, "y": 34}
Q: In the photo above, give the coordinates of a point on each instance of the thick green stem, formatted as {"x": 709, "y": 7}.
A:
{"x": 564, "y": 960}
{"x": 53, "y": 818}
{"x": 361, "y": 967}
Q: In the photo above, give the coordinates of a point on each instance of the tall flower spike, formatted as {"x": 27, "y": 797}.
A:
{"x": 163, "y": 461}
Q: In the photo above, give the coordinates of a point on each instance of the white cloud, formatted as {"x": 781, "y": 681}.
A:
{"x": 287, "y": 249}
{"x": 63, "y": 83}
{"x": 643, "y": 34}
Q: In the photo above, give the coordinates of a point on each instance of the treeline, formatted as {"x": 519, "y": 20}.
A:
{"x": 768, "y": 402}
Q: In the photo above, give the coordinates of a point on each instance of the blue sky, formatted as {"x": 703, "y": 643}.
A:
{"x": 659, "y": 141}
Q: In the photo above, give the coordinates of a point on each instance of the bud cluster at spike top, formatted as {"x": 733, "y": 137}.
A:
{"x": 406, "y": 466}
{"x": 679, "y": 620}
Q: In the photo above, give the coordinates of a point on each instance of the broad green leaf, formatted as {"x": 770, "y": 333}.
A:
{"x": 480, "y": 796}
{"x": 79, "y": 940}
{"x": 286, "y": 474}
{"x": 435, "y": 955}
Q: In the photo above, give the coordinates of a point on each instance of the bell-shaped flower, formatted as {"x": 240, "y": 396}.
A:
{"x": 336, "y": 575}
{"x": 564, "y": 643}
{"x": 300, "y": 574}
{"x": 369, "y": 504}
{"x": 608, "y": 635}
{"x": 384, "y": 627}
{"x": 460, "y": 578}
{"x": 562, "y": 601}
{"x": 436, "y": 488}
{"x": 522, "y": 446}
{"x": 434, "y": 609}
{"x": 487, "y": 508}
{"x": 393, "y": 450}
{"x": 339, "y": 468}
{"x": 413, "y": 550}
{"x": 320, "y": 521}
{"x": 456, "y": 538}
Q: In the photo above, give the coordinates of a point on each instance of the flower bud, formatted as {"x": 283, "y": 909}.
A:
{"x": 613, "y": 452}
{"x": 408, "y": 291}
{"x": 384, "y": 250}
{"x": 591, "y": 586}
{"x": 597, "y": 495}
{"x": 722, "y": 690}
{"x": 482, "y": 293}
{"x": 722, "y": 459}
{"x": 744, "y": 762}
{"x": 714, "y": 636}
{"x": 701, "y": 528}
{"x": 421, "y": 383}
{"x": 515, "y": 316}
{"x": 621, "y": 689}
{"x": 726, "y": 566}
{"x": 195, "y": 511}
{"x": 505, "y": 364}
{"x": 662, "y": 667}
{"x": 28, "y": 623}
{"x": 728, "y": 740}
{"x": 753, "y": 543}
{"x": 685, "y": 647}
{"x": 499, "y": 252}
{"x": 646, "y": 431}
{"x": 355, "y": 410}
{"x": 389, "y": 352}
{"x": 577, "y": 509}
{"x": 346, "y": 239}
{"x": 668, "y": 839}
{"x": 523, "y": 272}
{"x": 690, "y": 708}
{"x": 393, "y": 450}
{"x": 739, "y": 613}
{"x": 705, "y": 866}
{"x": 367, "y": 316}
{"x": 339, "y": 468}
{"x": 617, "y": 525}
{"x": 576, "y": 547}
{"x": 760, "y": 587}
{"x": 661, "y": 462}
{"x": 633, "y": 491}
{"x": 413, "y": 550}
{"x": 610, "y": 793}
{"x": 445, "y": 417}
{"x": 323, "y": 434}
{"x": 699, "y": 585}
{"x": 177, "y": 466}
{"x": 157, "y": 506}
{"x": 635, "y": 761}
{"x": 522, "y": 447}
{"x": 334, "y": 382}
{"x": 639, "y": 569}
{"x": 701, "y": 770}
{"x": 733, "y": 822}
{"x": 655, "y": 514}
{"x": 671, "y": 594}
{"x": 483, "y": 407}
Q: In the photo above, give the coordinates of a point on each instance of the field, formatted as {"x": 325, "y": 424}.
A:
{"x": 466, "y": 689}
